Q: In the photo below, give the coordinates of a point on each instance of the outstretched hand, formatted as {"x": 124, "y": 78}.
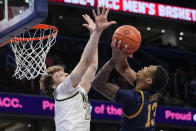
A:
{"x": 90, "y": 23}
{"x": 101, "y": 19}
{"x": 119, "y": 53}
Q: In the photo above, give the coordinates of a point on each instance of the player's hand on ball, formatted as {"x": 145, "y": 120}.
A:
{"x": 90, "y": 23}
{"x": 118, "y": 51}
{"x": 101, "y": 19}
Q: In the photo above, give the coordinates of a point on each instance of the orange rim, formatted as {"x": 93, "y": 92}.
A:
{"x": 39, "y": 26}
{"x": 4, "y": 43}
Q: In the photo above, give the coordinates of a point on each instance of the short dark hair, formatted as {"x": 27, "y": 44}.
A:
{"x": 46, "y": 81}
{"x": 160, "y": 79}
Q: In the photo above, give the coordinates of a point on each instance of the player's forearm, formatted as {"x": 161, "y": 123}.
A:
{"x": 90, "y": 49}
{"x": 128, "y": 72}
{"x": 88, "y": 77}
{"x": 90, "y": 73}
{"x": 94, "y": 62}
{"x": 125, "y": 70}
{"x": 86, "y": 59}
{"x": 102, "y": 76}
{"x": 91, "y": 32}
{"x": 122, "y": 66}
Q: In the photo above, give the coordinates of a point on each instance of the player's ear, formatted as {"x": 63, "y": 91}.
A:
{"x": 149, "y": 81}
{"x": 54, "y": 86}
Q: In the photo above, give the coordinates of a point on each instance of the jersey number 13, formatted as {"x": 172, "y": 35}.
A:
{"x": 150, "y": 121}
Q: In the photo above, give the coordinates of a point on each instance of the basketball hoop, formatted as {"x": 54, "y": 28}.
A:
{"x": 30, "y": 50}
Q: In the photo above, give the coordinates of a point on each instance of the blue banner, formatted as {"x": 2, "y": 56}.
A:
{"x": 102, "y": 110}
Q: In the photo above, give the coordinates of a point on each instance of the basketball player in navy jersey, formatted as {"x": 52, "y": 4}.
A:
{"x": 139, "y": 105}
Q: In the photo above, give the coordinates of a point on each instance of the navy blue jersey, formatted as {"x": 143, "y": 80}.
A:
{"x": 139, "y": 110}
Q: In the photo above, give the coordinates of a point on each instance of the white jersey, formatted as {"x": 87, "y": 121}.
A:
{"x": 72, "y": 108}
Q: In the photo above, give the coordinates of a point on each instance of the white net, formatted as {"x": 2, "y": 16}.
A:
{"x": 30, "y": 55}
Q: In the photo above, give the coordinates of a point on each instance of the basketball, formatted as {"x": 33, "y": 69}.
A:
{"x": 128, "y": 35}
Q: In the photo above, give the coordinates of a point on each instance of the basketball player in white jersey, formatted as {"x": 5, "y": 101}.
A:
{"x": 72, "y": 107}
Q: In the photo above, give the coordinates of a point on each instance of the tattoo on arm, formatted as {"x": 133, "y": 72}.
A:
{"x": 102, "y": 76}
{"x": 109, "y": 90}
{"x": 122, "y": 66}
{"x": 100, "y": 82}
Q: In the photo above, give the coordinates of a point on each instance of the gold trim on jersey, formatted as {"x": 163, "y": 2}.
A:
{"x": 140, "y": 109}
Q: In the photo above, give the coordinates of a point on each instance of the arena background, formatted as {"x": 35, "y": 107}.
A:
{"x": 168, "y": 39}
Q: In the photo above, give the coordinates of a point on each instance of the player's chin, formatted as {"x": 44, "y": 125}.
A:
{"x": 138, "y": 73}
{"x": 61, "y": 79}
{"x": 66, "y": 74}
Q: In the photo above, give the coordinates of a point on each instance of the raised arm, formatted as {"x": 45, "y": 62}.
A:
{"x": 90, "y": 73}
{"x": 86, "y": 57}
{"x": 88, "y": 77}
{"x": 91, "y": 47}
{"x": 125, "y": 70}
{"x": 100, "y": 82}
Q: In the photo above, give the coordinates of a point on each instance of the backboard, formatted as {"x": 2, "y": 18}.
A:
{"x": 17, "y": 16}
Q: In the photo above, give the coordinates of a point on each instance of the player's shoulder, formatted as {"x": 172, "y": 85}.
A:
{"x": 128, "y": 95}
{"x": 65, "y": 90}
{"x": 129, "y": 92}
{"x": 150, "y": 97}
{"x": 149, "y": 93}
